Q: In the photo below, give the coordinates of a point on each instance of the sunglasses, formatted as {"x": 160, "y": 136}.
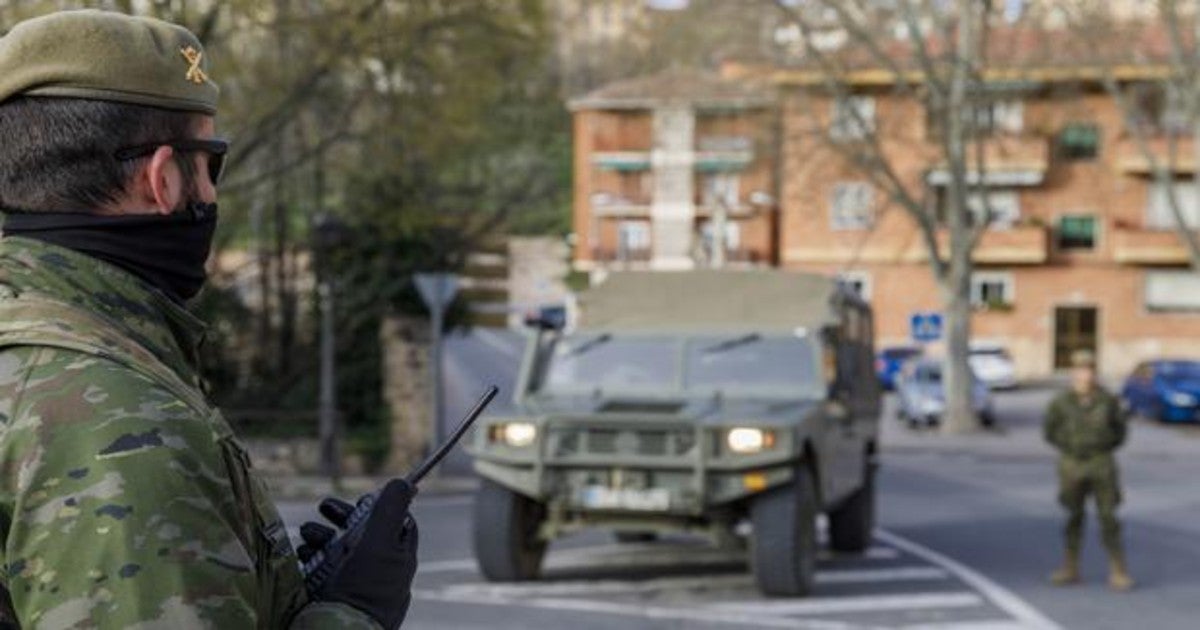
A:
{"x": 216, "y": 150}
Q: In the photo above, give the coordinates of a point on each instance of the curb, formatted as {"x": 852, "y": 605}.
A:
{"x": 316, "y": 488}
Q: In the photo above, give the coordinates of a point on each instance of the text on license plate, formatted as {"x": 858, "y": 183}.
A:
{"x": 604, "y": 498}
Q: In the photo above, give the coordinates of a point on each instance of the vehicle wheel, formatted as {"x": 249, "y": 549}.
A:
{"x": 852, "y": 524}
{"x": 784, "y": 543}
{"x": 987, "y": 419}
{"x": 635, "y": 537}
{"x": 506, "y": 524}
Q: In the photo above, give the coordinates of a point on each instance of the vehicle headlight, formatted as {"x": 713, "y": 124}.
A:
{"x": 516, "y": 434}
{"x": 747, "y": 441}
{"x": 1181, "y": 399}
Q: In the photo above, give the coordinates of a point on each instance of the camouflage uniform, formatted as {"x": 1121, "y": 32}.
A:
{"x": 124, "y": 499}
{"x": 1086, "y": 432}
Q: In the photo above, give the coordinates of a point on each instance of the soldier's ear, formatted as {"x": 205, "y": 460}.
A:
{"x": 158, "y": 185}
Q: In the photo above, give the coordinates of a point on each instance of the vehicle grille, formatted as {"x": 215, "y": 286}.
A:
{"x": 572, "y": 441}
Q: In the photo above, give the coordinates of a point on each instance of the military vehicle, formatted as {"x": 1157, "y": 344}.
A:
{"x": 735, "y": 405}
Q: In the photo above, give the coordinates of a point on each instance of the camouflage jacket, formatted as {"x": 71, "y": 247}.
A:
{"x": 1085, "y": 429}
{"x": 124, "y": 498}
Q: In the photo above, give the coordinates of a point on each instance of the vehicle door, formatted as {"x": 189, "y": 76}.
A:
{"x": 857, "y": 393}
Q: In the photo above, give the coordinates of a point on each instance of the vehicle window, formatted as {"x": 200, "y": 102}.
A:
{"x": 608, "y": 362}
{"x": 929, "y": 373}
{"x": 1179, "y": 369}
{"x": 750, "y": 362}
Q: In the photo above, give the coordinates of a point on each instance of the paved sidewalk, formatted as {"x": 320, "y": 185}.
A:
{"x": 316, "y": 488}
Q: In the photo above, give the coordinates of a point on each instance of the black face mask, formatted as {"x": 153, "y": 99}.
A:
{"x": 168, "y": 251}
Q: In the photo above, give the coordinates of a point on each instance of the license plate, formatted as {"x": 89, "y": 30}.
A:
{"x": 604, "y": 498}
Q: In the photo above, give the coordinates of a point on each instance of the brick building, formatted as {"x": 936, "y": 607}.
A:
{"x": 1081, "y": 253}
{"x": 661, "y": 162}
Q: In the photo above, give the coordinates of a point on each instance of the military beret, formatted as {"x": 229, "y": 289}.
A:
{"x": 107, "y": 56}
{"x": 1083, "y": 359}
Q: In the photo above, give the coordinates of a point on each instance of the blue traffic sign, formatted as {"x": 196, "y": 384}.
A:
{"x": 926, "y": 326}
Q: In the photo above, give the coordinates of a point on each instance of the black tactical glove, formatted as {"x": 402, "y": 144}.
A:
{"x": 376, "y": 576}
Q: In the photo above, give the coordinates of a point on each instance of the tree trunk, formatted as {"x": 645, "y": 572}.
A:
{"x": 956, "y": 374}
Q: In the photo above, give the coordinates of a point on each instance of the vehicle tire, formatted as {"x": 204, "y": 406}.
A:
{"x": 852, "y": 524}
{"x": 988, "y": 419}
{"x": 635, "y": 537}
{"x": 507, "y": 548}
{"x": 784, "y": 542}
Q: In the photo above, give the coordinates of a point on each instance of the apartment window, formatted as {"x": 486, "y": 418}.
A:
{"x": 1167, "y": 291}
{"x": 1079, "y": 141}
{"x": 852, "y": 206}
{"x": 1159, "y": 109}
{"x": 992, "y": 291}
{"x": 720, "y": 189}
{"x": 733, "y": 235}
{"x": 1160, "y": 216}
{"x": 853, "y": 118}
{"x": 982, "y": 118}
{"x": 1077, "y": 232}
{"x": 633, "y": 236}
{"x": 1000, "y": 208}
{"x": 857, "y": 282}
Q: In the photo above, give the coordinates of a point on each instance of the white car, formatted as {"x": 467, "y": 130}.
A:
{"x": 994, "y": 366}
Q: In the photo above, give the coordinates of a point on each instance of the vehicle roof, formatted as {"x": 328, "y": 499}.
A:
{"x": 711, "y": 300}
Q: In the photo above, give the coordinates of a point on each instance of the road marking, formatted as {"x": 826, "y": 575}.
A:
{"x": 855, "y": 604}
{"x": 985, "y": 624}
{"x": 898, "y": 574}
{"x": 1000, "y": 596}
{"x": 715, "y": 581}
{"x": 606, "y": 556}
{"x": 696, "y": 615}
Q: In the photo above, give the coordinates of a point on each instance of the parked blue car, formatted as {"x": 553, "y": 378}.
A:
{"x": 891, "y": 360}
{"x": 1166, "y": 390}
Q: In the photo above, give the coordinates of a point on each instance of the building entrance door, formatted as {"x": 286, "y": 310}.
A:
{"x": 1074, "y": 329}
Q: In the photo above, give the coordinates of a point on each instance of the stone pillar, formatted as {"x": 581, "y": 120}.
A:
{"x": 405, "y": 341}
{"x": 673, "y": 210}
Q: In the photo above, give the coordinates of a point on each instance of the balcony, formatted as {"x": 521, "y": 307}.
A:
{"x": 1008, "y": 161}
{"x": 1133, "y": 159}
{"x": 616, "y": 206}
{"x": 1024, "y": 245}
{"x": 609, "y": 255}
{"x": 1132, "y": 246}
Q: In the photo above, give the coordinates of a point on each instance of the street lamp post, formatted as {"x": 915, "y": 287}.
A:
{"x": 329, "y": 232}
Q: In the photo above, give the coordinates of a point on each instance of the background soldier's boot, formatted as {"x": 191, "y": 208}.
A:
{"x": 1118, "y": 574}
{"x": 1068, "y": 573}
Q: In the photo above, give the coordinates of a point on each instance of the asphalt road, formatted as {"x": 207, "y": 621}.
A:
{"x": 965, "y": 542}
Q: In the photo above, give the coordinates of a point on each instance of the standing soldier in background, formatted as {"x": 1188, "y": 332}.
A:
{"x": 124, "y": 498}
{"x": 1085, "y": 424}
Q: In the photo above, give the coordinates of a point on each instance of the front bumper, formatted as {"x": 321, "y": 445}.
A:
{"x": 662, "y": 468}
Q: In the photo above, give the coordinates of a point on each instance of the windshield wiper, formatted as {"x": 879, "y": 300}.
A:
{"x": 587, "y": 347}
{"x": 732, "y": 343}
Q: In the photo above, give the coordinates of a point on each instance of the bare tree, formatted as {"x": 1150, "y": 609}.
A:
{"x": 941, "y": 66}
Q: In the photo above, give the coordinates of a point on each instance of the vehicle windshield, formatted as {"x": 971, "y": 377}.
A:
{"x": 750, "y": 362}
{"x": 1179, "y": 369}
{"x": 615, "y": 363}
{"x": 587, "y": 362}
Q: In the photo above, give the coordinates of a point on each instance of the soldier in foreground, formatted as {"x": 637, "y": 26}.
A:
{"x": 124, "y": 498}
{"x": 1085, "y": 424}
